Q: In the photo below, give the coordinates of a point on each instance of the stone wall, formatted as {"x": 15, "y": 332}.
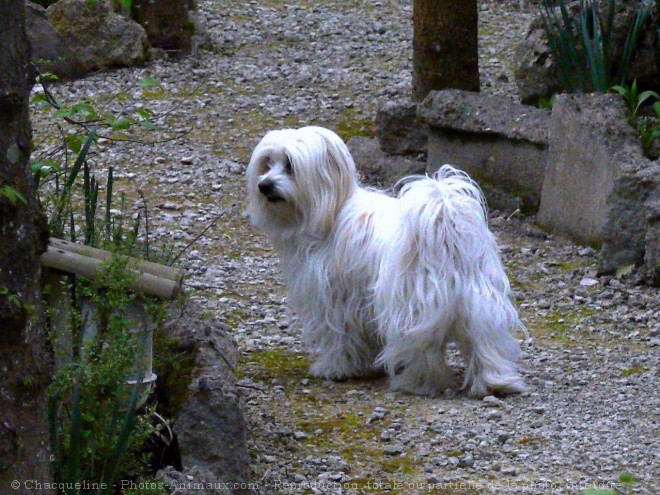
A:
{"x": 580, "y": 167}
{"x": 501, "y": 144}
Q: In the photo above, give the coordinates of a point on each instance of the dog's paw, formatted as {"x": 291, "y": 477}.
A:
{"x": 338, "y": 372}
{"x": 478, "y": 389}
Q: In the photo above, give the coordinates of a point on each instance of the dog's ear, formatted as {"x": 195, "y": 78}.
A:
{"x": 332, "y": 179}
{"x": 338, "y": 154}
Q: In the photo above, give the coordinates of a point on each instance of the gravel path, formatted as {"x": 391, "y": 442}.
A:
{"x": 593, "y": 361}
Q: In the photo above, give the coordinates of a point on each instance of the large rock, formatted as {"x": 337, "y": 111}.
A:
{"x": 50, "y": 51}
{"x": 599, "y": 188}
{"x": 652, "y": 239}
{"x": 377, "y": 167}
{"x": 399, "y": 130}
{"x": 501, "y": 144}
{"x": 100, "y": 36}
{"x": 632, "y": 227}
{"x": 535, "y": 69}
{"x": 201, "y": 394}
{"x": 170, "y": 24}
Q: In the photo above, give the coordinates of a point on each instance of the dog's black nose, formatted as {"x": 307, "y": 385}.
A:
{"x": 266, "y": 187}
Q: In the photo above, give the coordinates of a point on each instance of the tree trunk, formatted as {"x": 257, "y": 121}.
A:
{"x": 444, "y": 46}
{"x": 24, "y": 356}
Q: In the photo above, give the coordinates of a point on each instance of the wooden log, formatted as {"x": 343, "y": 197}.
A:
{"x": 88, "y": 266}
{"x": 175, "y": 274}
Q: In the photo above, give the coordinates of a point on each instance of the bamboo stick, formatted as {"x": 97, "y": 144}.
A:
{"x": 88, "y": 266}
{"x": 175, "y": 274}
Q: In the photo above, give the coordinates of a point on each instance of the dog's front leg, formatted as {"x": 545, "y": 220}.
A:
{"x": 339, "y": 353}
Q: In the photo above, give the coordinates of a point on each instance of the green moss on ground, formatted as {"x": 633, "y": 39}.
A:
{"x": 274, "y": 364}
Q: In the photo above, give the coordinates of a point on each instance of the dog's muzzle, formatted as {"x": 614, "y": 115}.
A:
{"x": 267, "y": 188}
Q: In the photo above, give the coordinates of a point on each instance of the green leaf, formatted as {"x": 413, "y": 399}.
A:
{"x": 63, "y": 112}
{"x": 75, "y": 142}
{"x": 48, "y": 76}
{"x": 148, "y": 125}
{"x": 120, "y": 124}
{"x": 149, "y": 82}
{"x": 656, "y": 107}
{"x": 44, "y": 167}
{"x": 39, "y": 97}
{"x": 599, "y": 492}
{"x": 12, "y": 195}
{"x": 84, "y": 111}
{"x": 622, "y": 90}
{"x": 145, "y": 113}
{"x": 645, "y": 96}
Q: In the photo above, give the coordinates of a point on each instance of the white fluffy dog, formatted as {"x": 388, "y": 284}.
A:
{"x": 381, "y": 282}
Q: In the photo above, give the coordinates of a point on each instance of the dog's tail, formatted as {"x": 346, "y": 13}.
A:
{"x": 445, "y": 265}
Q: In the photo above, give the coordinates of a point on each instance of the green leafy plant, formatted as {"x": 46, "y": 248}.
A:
{"x": 647, "y": 127}
{"x": 582, "y": 45}
{"x": 66, "y": 169}
{"x": 11, "y": 297}
{"x": 547, "y": 104}
{"x": 125, "y": 5}
{"x": 633, "y": 98}
{"x": 96, "y": 429}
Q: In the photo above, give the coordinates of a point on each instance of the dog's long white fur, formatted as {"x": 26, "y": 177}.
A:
{"x": 383, "y": 282}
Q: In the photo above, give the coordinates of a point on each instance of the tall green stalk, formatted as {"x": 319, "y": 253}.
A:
{"x": 582, "y": 45}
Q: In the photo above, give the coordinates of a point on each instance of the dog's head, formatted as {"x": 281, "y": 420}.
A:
{"x": 298, "y": 180}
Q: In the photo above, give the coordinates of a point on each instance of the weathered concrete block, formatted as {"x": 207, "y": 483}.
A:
{"x": 377, "y": 167}
{"x": 599, "y": 188}
{"x": 399, "y": 130}
{"x": 590, "y": 147}
{"x": 501, "y": 144}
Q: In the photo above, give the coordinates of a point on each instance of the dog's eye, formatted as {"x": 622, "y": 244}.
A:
{"x": 265, "y": 166}
{"x": 287, "y": 166}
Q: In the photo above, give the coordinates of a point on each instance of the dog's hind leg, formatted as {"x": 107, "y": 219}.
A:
{"x": 338, "y": 355}
{"x": 416, "y": 363}
{"x": 491, "y": 351}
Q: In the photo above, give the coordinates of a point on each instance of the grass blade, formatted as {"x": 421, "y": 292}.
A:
{"x": 71, "y": 178}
